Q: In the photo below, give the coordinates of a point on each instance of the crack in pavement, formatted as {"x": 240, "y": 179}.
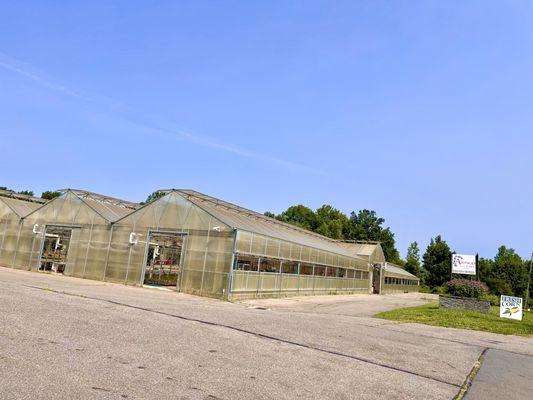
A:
{"x": 249, "y": 332}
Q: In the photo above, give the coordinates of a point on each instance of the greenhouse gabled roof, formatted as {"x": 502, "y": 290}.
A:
{"x": 20, "y": 207}
{"x": 367, "y": 249}
{"x": 111, "y": 211}
{"x": 103, "y": 199}
{"x": 397, "y": 271}
{"x": 247, "y": 220}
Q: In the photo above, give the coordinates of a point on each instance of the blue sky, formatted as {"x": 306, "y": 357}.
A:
{"x": 421, "y": 111}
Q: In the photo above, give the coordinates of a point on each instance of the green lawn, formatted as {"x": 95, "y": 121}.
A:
{"x": 431, "y": 314}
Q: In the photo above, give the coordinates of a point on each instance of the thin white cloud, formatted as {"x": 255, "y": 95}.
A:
{"x": 117, "y": 109}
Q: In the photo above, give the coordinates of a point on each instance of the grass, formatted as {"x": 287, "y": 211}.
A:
{"x": 431, "y": 314}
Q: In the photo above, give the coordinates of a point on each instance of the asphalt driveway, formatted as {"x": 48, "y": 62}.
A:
{"x": 67, "y": 338}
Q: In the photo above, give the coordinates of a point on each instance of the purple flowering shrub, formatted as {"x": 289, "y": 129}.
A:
{"x": 466, "y": 288}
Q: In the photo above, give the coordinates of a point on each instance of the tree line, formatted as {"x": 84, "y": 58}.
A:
{"x": 507, "y": 273}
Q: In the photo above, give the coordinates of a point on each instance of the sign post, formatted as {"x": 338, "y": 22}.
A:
{"x": 463, "y": 264}
{"x": 511, "y": 307}
{"x": 528, "y": 280}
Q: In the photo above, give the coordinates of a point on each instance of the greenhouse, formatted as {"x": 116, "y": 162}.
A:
{"x": 209, "y": 247}
{"x": 69, "y": 234}
{"x": 191, "y": 242}
{"x": 395, "y": 279}
{"x": 13, "y": 207}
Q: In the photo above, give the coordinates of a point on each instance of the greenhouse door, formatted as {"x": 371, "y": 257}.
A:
{"x": 376, "y": 279}
{"x": 55, "y": 248}
{"x": 163, "y": 260}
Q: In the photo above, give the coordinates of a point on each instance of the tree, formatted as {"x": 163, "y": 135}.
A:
{"x": 26, "y": 192}
{"x": 299, "y": 215}
{"x": 331, "y": 222}
{"x": 49, "y": 195}
{"x": 366, "y": 225}
{"x": 437, "y": 262}
{"x": 506, "y": 274}
{"x": 154, "y": 196}
{"x": 412, "y": 261}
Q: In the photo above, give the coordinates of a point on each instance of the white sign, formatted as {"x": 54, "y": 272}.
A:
{"x": 463, "y": 264}
{"x": 511, "y": 307}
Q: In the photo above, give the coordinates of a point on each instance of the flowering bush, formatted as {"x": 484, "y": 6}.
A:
{"x": 466, "y": 288}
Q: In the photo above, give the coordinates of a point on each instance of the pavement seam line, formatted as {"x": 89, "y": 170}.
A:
{"x": 470, "y": 377}
{"x": 257, "y": 334}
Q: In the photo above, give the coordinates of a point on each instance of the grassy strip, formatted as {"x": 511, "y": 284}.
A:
{"x": 431, "y": 314}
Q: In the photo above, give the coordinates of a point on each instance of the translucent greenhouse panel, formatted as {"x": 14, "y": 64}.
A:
{"x": 313, "y": 255}
{"x": 199, "y": 219}
{"x": 24, "y": 248}
{"x": 9, "y": 240}
{"x": 285, "y": 250}
{"x": 72, "y": 251}
{"x": 269, "y": 282}
{"x": 245, "y": 281}
{"x": 306, "y": 253}
{"x": 4, "y": 226}
{"x": 191, "y": 281}
{"x": 289, "y": 282}
{"x": 272, "y": 247}
{"x": 77, "y": 266}
{"x": 118, "y": 254}
{"x": 136, "y": 262}
{"x": 320, "y": 283}
{"x": 296, "y": 252}
{"x": 307, "y": 282}
{"x": 94, "y": 263}
{"x": 219, "y": 252}
{"x": 322, "y": 257}
{"x": 258, "y": 244}
{"x": 244, "y": 242}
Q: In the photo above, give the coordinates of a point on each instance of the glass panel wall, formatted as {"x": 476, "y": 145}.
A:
{"x": 259, "y": 275}
{"x": 207, "y": 248}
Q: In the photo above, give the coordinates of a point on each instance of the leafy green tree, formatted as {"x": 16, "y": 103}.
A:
{"x": 269, "y": 214}
{"x": 26, "y": 192}
{"x": 331, "y": 222}
{"x": 3, "y": 187}
{"x": 366, "y": 225}
{"x": 412, "y": 261}
{"x": 506, "y": 274}
{"x": 154, "y": 196}
{"x": 299, "y": 215}
{"x": 437, "y": 262}
{"x": 49, "y": 195}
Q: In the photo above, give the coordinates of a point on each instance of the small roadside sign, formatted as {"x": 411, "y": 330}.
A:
{"x": 511, "y": 307}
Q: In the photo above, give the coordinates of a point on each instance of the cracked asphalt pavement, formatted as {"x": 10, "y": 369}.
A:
{"x": 66, "y": 338}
